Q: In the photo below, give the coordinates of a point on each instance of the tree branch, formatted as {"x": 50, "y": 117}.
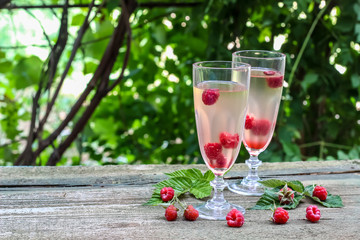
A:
{"x": 99, "y": 72}
{"x": 76, "y": 45}
{"x": 27, "y": 157}
{"x": 128, "y": 45}
{"x": 102, "y": 73}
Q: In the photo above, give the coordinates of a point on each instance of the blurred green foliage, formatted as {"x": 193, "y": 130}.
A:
{"x": 149, "y": 118}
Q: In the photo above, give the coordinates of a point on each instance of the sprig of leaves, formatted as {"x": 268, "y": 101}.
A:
{"x": 270, "y": 196}
{"x": 182, "y": 181}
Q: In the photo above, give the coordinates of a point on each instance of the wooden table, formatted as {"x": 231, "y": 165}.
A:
{"x": 106, "y": 203}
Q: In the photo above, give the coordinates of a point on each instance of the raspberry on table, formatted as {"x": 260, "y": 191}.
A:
{"x": 210, "y": 96}
{"x": 320, "y": 192}
{"x": 275, "y": 81}
{"x": 167, "y": 193}
{"x": 280, "y": 216}
{"x": 261, "y": 127}
{"x": 249, "y": 122}
{"x": 313, "y": 213}
{"x": 228, "y": 140}
{"x": 235, "y": 218}
{"x": 191, "y": 213}
{"x": 212, "y": 150}
{"x": 286, "y": 195}
{"x": 171, "y": 213}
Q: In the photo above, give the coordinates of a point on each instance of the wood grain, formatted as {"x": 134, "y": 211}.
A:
{"x": 106, "y": 203}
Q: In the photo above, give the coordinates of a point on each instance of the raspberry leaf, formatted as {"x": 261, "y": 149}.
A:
{"x": 155, "y": 200}
{"x": 192, "y": 173}
{"x": 332, "y": 201}
{"x": 273, "y": 183}
{"x": 297, "y": 186}
{"x": 179, "y": 184}
{"x": 201, "y": 188}
{"x": 266, "y": 201}
{"x": 209, "y": 176}
{"x": 270, "y": 197}
{"x": 182, "y": 181}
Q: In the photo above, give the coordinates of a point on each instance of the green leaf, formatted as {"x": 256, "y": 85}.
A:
{"x": 78, "y": 19}
{"x": 290, "y": 149}
{"x": 201, "y": 188}
{"x": 159, "y": 34}
{"x": 154, "y": 200}
{"x": 266, "y": 201}
{"x": 27, "y": 72}
{"x": 309, "y": 79}
{"x": 5, "y": 66}
{"x": 192, "y": 173}
{"x": 179, "y": 184}
{"x": 90, "y": 67}
{"x": 182, "y": 181}
{"x": 106, "y": 128}
{"x": 270, "y": 198}
{"x": 332, "y": 201}
{"x": 111, "y": 5}
{"x": 355, "y": 80}
{"x": 273, "y": 183}
{"x": 209, "y": 175}
{"x": 297, "y": 186}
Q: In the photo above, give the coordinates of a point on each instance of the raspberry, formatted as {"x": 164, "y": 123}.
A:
{"x": 212, "y": 150}
{"x": 269, "y": 73}
{"x": 275, "y": 82}
{"x": 210, "y": 96}
{"x": 320, "y": 192}
{"x": 228, "y": 140}
{"x": 235, "y": 218}
{"x": 313, "y": 213}
{"x": 171, "y": 213}
{"x": 167, "y": 193}
{"x": 261, "y": 127}
{"x": 280, "y": 216}
{"x": 219, "y": 162}
{"x": 249, "y": 122}
{"x": 256, "y": 144}
{"x": 191, "y": 213}
{"x": 286, "y": 195}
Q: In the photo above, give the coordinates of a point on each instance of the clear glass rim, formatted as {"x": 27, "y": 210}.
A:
{"x": 239, "y": 65}
{"x": 277, "y": 55}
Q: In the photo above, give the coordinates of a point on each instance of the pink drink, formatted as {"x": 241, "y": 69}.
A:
{"x": 264, "y": 100}
{"x": 220, "y": 109}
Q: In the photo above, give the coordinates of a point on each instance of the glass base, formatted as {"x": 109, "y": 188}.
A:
{"x": 211, "y": 211}
{"x": 246, "y": 187}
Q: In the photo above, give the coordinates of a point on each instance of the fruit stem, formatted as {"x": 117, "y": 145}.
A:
{"x": 176, "y": 199}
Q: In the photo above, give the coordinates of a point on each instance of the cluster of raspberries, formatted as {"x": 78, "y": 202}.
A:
{"x": 214, "y": 153}
{"x": 286, "y": 196}
{"x": 235, "y": 218}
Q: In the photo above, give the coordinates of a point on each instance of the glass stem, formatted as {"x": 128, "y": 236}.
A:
{"x": 253, "y": 163}
{"x": 218, "y": 184}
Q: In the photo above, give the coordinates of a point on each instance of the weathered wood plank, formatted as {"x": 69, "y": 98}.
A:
{"x": 123, "y": 174}
{"x": 110, "y": 206}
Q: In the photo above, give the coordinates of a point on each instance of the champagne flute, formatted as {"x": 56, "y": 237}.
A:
{"x": 266, "y": 83}
{"x": 220, "y": 101}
